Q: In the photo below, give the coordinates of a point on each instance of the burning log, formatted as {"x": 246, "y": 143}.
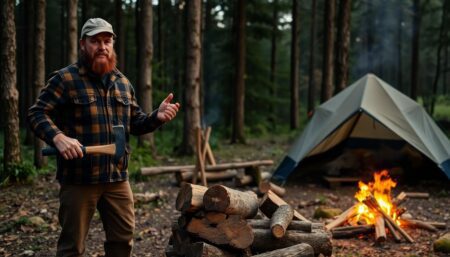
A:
{"x": 280, "y": 220}
{"x": 392, "y": 230}
{"x": 343, "y": 217}
{"x": 418, "y": 224}
{"x": 190, "y": 198}
{"x": 270, "y": 203}
{"x": 298, "y": 250}
{"x": 372, "y": 203}
{"x": 233, "y": 231}
{"x": 304, "y": 226}
{"x": 265, "y": 186}
{"x": 351, "y": 231}
{"x": 320, "y": 241}
{"x": 380, "y": 230}
{"x": 223, "y": 199}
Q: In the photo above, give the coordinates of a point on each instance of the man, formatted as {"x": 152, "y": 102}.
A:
{"x": 79, "y": 106}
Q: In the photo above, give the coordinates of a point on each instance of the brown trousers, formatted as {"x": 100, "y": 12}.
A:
{"x": 114, "y": 202}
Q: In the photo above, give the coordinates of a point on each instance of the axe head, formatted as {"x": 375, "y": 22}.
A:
{"x": 119, "y": 139}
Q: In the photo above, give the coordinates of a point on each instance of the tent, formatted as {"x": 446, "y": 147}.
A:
{"x": 368, "y": 109}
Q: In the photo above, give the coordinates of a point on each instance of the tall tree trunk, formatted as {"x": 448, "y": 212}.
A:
{"x": 312, "y": 42}
{"x": 343, "y": 45}
{"x": 206, "y": 60}
{"x": 239, "y": 90}
{"x": 120, "y": 32}
{"x": 415, "y": 50}
{"x": 295, "y": 66}
{"x": 29, "y": 54}
{"x": 273, "y": 64}
{"x": 192, "y": 119}
{"x": 39, "y": 71}
{"x": 8, "y": 80}
{"x": 327, "y": 77}
{"x": 160, "y": 49}
{"x": 441, "y": 44}
{"x": 399, "y": 49}
{"x": 72, "y": 42}
{"x": 446, "y": 68}
{"x": 145, "y": 55}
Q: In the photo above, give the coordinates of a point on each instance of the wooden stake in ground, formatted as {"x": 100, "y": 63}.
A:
{"x": 299, "y": 250}
{"x": 230, "y": 201}
{"x": 200, "y": 160}
{"x": 190, "y": 198}
{"x": 280, "y": 220}
{"x": 270, "y": 203}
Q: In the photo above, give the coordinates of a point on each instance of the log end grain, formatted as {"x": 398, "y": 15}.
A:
{"x": 216, "y": 199}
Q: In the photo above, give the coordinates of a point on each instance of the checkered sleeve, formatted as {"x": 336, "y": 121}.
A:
{"x": 39, "y": 118}
{"x": 142, "y": 123}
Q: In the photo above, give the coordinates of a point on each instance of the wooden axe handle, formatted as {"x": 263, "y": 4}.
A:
{"x": 98, "y": 149}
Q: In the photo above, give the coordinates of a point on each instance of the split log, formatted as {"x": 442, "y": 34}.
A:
{"x": 372, "y": 203}
{"x": 418, "y": 224}
{"x": 230, "y": 201}
{"x": 380, "y": 230}
{"x": 351, "y": 231}
{"x": 147, "y": 171}
{"x": 392, "y": 230}
{"x": 233, "y": 231}
{"x": 320, "y": 241}
{"x": 343, "y": 217}
{"x": 300, "y": 225}
{"x": 186, "y": 175}
{"x": 265, "y": 186}
{"x": 298, "y": 250}
{"x": 202, "y": 249}
{"x": 270, "y": 203}
{"x": 215, "y": 217}
{"x": 190, "y": 198}
{"x": 280, "y": 220}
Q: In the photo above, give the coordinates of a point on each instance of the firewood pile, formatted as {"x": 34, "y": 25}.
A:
{"x": 220, "y": 221}
{"x": 347, "y": 225}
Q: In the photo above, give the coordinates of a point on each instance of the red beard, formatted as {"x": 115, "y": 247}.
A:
{"x": 101, "y": 66}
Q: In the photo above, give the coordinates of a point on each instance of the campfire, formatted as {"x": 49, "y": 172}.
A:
{"x": 377, "y": 211}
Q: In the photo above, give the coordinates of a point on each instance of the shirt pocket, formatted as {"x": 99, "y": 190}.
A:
{"x": 123, "y": 108}
{"x": 85, "y": 109}
{"x": 84, "y": 99}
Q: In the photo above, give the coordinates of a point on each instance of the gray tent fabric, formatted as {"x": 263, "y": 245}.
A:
{"x": 369, "y": 108}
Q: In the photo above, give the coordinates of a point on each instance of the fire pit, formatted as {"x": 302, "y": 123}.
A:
{"x": 377, "y": 211}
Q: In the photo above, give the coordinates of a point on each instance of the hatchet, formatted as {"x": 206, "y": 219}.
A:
{"x": 117, "y": 149}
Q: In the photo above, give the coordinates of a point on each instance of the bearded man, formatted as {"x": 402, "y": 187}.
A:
{"x": 79, "y": 106}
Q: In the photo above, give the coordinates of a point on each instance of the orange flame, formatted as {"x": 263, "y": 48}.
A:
{"x": 380, "y": 188}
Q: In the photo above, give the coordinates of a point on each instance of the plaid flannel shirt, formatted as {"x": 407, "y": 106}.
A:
{"x": 83, "y": 106}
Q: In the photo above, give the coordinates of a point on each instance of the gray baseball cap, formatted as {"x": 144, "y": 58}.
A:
{"x": 94, "y": 26}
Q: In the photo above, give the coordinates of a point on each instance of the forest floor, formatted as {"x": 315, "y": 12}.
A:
{"x": 19, "y": 204}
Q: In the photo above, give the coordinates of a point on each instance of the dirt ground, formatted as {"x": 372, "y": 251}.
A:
{"x": 153, "y": 221}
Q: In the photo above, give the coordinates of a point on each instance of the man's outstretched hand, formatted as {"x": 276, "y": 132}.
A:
{"x": 167, "y": 110}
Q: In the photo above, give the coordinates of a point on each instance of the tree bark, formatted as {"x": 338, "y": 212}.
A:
{"x": 239, "y": 88}
{"x": 270, "y": 203}
{"x": 223, "y": 199}
{"x": 327, "y": 77}
{"x": 298, "y": 250}
{"x": 351, "y": 231}
{"x": 280, "y": 220}
{"x": 72, "y": 27}
{"x": 145, "y": 55}
{"x": 29, "y": 59}
{"x": 415, "y": 76}
{"x": 319, "y": 240}
{"x": 120, "y": 40}
{"x": 343, "y": 45}
{"x": 190, "y": 198}
{"x": 39, "y": 71}
{"x": 8, "y": 81}
{"x": 295, "y": 67}
{"x": 192, "y": 119}
{"x": 312, "y": 42}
